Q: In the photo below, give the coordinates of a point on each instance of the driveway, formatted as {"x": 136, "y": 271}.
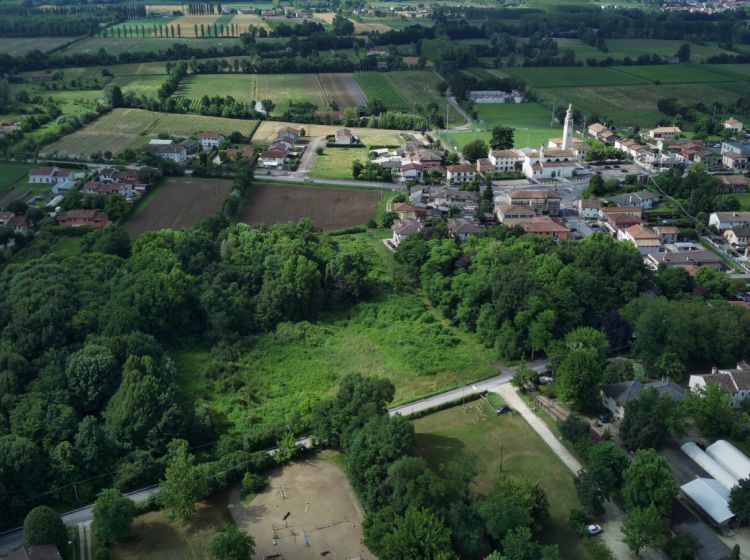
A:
{"x": 308, "y": 157}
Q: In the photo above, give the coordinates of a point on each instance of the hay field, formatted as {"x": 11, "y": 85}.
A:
{"x": 187, "y": 24}
{"x": 246, "y": 20}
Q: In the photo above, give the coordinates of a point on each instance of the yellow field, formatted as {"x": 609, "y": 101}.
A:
{"x": 246, "y": 20}
{"x": 359, "y": 28}
{"x": 187, "y": 24}
{"x": 268, "y": 130}
{"x": 325, "y": 17}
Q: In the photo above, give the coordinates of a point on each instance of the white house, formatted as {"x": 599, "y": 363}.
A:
{"x": 272, "y": 158}
{"x": 461, "y": 173}
{"x": 209, "y": 140}
{"x": 171, "y": 151}
{"x": 664, "y": 132}
{"x": 46, "y": 175}
{"x": 729, "y": 220}
{"x": 588, "y": 208}
{"x": 733, "y": 124}
{"x": 736, "y": 382}
{"x": 642, "y": 199}
{"x": 506, "y": 161}
{"x": 344, "y": 136}
{"x": 644, "y": 239}
{"x": 404, "y": 228}
{"x": 631, "y": 147}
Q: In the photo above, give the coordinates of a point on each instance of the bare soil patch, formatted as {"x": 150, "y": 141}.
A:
{"x": 308, "y": 509}
{"x": 179, "y": 203}
{"x": 328, "y": 208}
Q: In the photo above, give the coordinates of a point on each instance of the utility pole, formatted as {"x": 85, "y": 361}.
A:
{"x": 552, "y": 118}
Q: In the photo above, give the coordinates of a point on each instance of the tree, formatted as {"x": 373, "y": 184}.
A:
{"x": 419, "y": 533}
{"x": 580, "y": 377}
{"x": 286, "y": 448}
{"x": 683, "y": 53}
{"x": 606, "y": 462}
{"x": 475, "y": 150}
{"x": 43, "y": 525}
{"x": 113, "y": 516}
{"x": 518, "y": 544}
{"x": 512, "y": 504}
{"x": 231, "y": 544}
{"x": 644, "y": 528}
{"x": 711, "y": 410}
{"x": 590, "y": 494}
{"x": 649, "y": 481}
{"x": 739, "y": 501}
{"x": 183, "y": 483}
{"x": 92, "y": 377}
{"x": 575, "y": 428}
{"x": 650, "y": 419}
{"x": 596, "y": 185}
{"x": 342, "y": 26}
{"x": 114, "y": 95}
{"x": 669, "y": 365}
{"x": 502, "y": 138}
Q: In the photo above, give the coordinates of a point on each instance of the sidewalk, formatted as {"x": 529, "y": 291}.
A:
{"x": 612, "y": 533}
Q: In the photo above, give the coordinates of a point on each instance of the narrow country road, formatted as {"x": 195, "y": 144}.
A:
{"x": 309, "y": 155}
{"x": 342, "y": 182}
{"x": 10, "y": 540}
{"x": 612, "y": 533}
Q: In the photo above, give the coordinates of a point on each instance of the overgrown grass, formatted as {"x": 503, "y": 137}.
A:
{"x": 336, "y": 163}
{"x": 475, "y": 433}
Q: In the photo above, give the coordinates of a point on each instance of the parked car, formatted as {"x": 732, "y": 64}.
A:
{"x": 604, "y": 418}
{"x": 545, "y": 379}
{"x": 593, "y": 529}
{"x": 502, "y": 410}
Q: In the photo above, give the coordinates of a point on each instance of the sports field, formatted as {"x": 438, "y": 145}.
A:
{"x": 502, "y": 446}
{"x": 532, "y": 121}
{"x": 125, "y": 128}
{"x": 328, "y": 208}
{"x": 17, "y": 46}
{"x": 178, "y": 203}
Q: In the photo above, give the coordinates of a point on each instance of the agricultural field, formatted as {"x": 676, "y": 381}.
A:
{"x": 343, "y": 89}
{"x": 377, "y": 85}
{"x": 178, "y": 203}
{"x": 474, "y": 433}
{"x": 116, "y": 46}
{"x": 673, "y": 73}
{"x": 283, "y": 88}
{"x": 245, "y": 21}
{"x": 541, "y": 77}
{"x": 142, "y": 85}
{"x": 620, "y": 48}
{"x": 327, "y": 207}
{"x": 336, "y": 163}
{"x": 532, "y": 122}
{"x": 147, "y": 24}
{"x": 18, "y": 46}
{"x": 188, "y": 24}
{"x": 125, "y": 128}
{"x": 420, "y": 87}
{"x": 267, "y": 131}
{"x": 11, "y": 175}
{"x": 242, "y": 87}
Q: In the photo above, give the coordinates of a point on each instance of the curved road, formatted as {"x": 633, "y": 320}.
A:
{"x": 10, "y": 540}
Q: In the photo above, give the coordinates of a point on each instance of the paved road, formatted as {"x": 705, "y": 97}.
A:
{"x": 342, "y": 182}
{"x": 309, "y": 155}
{"x": 11, "y": 540}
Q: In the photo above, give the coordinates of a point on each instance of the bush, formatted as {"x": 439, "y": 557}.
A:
{"x": 574, "y": 429}
{"x": 253, "y": 483}
{"x": 43, "y": 525}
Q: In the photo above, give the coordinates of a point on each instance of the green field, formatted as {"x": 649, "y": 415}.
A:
{"x": 117, "y": 46}
{"x": 377, "y": 85}
{"x": 476, "y": 432}
{"x": 274, "y": 378}
{"x": 531, "y": 121}
{"x": 673, "y": 73}
{"x": 12, "y": 174}
{"x": 242, "y": 87}
{"x": 18, "y": 46}
{"x": 541, "y": 77}
{"x": 147, "y": 23}
{"x": 620, "y": 48}
{"x": 143, "y": 85}
{"x": 283, "y": 88}
{"x": 420, "y": 88}
{"x": 336, "y": 163}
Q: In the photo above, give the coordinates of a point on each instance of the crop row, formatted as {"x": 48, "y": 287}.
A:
{"x": 377, "y": 86}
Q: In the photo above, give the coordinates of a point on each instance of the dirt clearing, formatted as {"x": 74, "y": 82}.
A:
{"x": 328, "y": 208}
{"x": 179, "y": 203}
{"x": 307, "y": 510}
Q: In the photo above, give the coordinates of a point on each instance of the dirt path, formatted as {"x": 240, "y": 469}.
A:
{"x": 308, "y": 158}
{"x": 612, "y": 534}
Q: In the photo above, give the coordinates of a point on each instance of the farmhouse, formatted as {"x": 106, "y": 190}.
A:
{"x": 46, "y": 175}
{"x": 541, "y": 202}
{"x": 732, "y": 183}
{"x": 736, "y": 382}
{"x": 461, "y": 173}
{"x": 733, "y": 124}
{"x": 191, "y": 146}
{"x": 664, "y": 132}
{"x": 209, "y": 140}
{"x": 728, "y": 220}
{"x": 345, "y": 137}
{"x": 74, "y": 218}
{"x": 289, "y": 134}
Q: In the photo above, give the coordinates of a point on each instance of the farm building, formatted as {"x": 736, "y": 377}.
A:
{"x": 209, "y": 140}
{"x": 498, "y": 96}
{"x": 75, "y": 218}
{"x": 167, "y": 149}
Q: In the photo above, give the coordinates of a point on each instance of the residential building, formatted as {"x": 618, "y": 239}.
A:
{"x": 728, "y": 220}
{"x": 732, "y": 183}
{"x": 171, "y": 151}
{"x": 545, "y": 226}
{"x": 632, "y": 148}
{"x": 406, "y": 211}
{"x": 244, "y": 151}
{"x": 733, "y": 124}
{"x": 402, "y": 229}
{"x": 600, "y": 132}
{"x": 19, "y": 224}
{"x": 541, "y": 202}
{"x": 47, "y": 175}
{"x": 738, "y": 236}
{"x": 644, "y": 239}
{"x": 667, "y": 234}
{"x": 735, "y": 161}
{"x": 412, "y": 172}
{"x": 289, "y": 134}
{"x": 616, "y": 222}
{"x": 444, "y": 198}
{"x": 344, "y": 137}
{"x": 642, "y": 199}
{"x": 507, "y": 161}
{"x": 191, "y": 146}
{"x": 461, "y": 173}
{"x": 428, "y": 159}
{"x": 736, "y": 382}
{"x": 511, "y": 215}
{"x": 606, "y": 211}
{"x": 588, "y": 208}
{"x": 664, "y": 132}
{"x": 209, "y": 140}
{"x": 484, "y": 166}
{"x": 74, "y": 218}
{"x": 709, "y": 158}
{"x": 107, "y": 189}
{"x": 616, "y": 396}
{"x": 689, "y": 260}
{"x": 461, "y": 228}
{"x": 272, "y": 158}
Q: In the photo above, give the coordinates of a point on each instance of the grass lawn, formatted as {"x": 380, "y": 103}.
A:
{"x": 744, "y": 199}
{"x": 11, "y": 174}
{"x": 531, "y": 121}
{"x": 155, "y": 538}
{"x": 336, "y": 163}
{"x": 271, "y": 380}
{"x": 476, "y": 432}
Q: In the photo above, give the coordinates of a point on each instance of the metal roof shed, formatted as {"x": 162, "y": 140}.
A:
{"x": 732, "y": 459}
{"x": 709, "y": 464}
{"x": 711, "y": 497}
